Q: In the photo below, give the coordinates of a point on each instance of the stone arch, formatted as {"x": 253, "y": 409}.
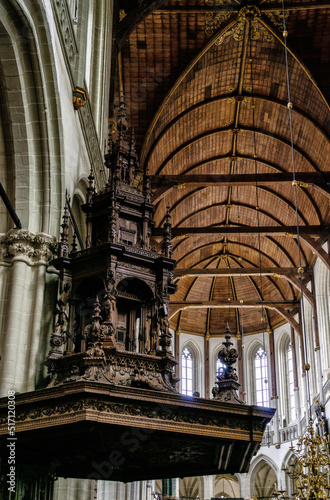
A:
{"x": 263, "y": 477}
{"x": 226, "y": 485}
{"x": 30, "y": 116}
{"x": 190, "y": 487}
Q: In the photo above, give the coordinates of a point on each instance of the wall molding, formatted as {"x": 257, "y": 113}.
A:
{"x": 71, "y": 52}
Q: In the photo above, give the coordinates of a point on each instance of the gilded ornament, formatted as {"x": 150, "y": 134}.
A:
{"x": 248, "y": 13}
{"x": 213, "y": 21}
{"x": 79, "y": 97}
{"x": 309, "y": 465}
{"x": 180, "y": 186}
{"x": 122, "y": 14}
{"x": 276, "y": 19}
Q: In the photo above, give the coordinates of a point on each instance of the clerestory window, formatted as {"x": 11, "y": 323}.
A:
{"x": 261, "y": 377}
{"x": 290, "y": 384}
{"x": 187, "y": 372}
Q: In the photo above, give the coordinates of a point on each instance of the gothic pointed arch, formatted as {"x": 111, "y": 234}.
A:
{"x": 30, "y": 116}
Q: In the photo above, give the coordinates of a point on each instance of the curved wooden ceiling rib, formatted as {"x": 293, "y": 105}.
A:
{"x": 235, "y": 258}
{"x": 300, "y": 61}
{"x": 309, "y": 206}
{"x": 217, "y": 130}
{"x": 241, "y": 244}
{"x": 296, "y": 111}
{"x": 235, "y": 203}
{"x": 159, "y": 193}
{"x": 270, "y": 279}
{"x": 226, "y": 27}
{"x": 187, "y": 294}
{"x": 213, "y": 159}
{"x": 175, "y": 309}
{"x": 289, "y": 257}
{"x": 291, "y": 284}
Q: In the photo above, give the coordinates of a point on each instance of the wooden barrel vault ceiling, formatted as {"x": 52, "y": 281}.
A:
{"x": 206, "y": 93}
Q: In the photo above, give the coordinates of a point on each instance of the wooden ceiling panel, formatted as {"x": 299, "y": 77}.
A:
{"x": 273, "y": 149}
{"x": 179, "y": 160}
{"x": 193, "y": 321}
{"x": 272, "y": 118}
{"x": 202, "y": 108}
{"x": 198, "y": 121}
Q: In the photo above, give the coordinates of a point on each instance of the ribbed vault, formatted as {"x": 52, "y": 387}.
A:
{"x": 206, "y": 92}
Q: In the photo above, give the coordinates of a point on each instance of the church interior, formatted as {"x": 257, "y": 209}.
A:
{"x": 164, "y": 249}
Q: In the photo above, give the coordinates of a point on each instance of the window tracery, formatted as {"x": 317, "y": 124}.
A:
{"x": 290, "y": 383}
{"x": 261, "y": 377}
{"x": 187, "y": 372}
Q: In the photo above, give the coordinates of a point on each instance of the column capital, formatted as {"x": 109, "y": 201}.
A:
{"x": 21, "y": 243}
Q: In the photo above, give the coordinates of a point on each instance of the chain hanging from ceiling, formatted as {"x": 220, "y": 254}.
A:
{"x": 309, "y": 465}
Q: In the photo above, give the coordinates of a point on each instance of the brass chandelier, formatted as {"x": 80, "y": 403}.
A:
{"x": 309, "y": 467}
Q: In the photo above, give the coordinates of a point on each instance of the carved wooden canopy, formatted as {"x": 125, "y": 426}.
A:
{"x": 91, "y": 430}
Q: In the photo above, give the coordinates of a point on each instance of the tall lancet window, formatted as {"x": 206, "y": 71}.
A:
{"x": 290, "y": 382}
{"x": 261, "y": 377}
{"x": 187, "y": 372}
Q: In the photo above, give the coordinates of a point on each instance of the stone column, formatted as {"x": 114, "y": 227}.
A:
{"x": 317, "y": 349}
{"x": 24, "y": 257}
{"x": 207, "y": 364}
{"x": 275, "y": 404}
{"x": 207, "y": 487}
{"x": 295, "y": 380}
{"x": 150, "y": 487}
{"x": 245, "y": 485}
{"x": 74, "y": 489}
{"x": 323, "y": 309}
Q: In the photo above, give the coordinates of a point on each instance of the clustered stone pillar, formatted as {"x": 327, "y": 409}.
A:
{"x": 24, "y": 257}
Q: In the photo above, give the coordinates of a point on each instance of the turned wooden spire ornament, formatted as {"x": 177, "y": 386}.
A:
{"x": 227, "y": 380}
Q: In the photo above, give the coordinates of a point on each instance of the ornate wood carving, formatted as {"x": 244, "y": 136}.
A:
{"x": 120, "y": 288}
{"x": 227, "y": 380}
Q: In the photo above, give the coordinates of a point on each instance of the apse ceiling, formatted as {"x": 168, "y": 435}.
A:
{"x": 206, "y": 92}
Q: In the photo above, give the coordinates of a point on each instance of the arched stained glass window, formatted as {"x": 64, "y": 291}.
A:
{"x": 187, "y": 372}
{"x": 290, "y": 381}
{"x": 261, "y": 377}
